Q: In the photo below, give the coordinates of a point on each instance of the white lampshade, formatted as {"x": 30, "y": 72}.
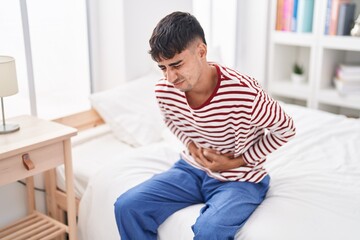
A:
{"x": 8, "y": 80}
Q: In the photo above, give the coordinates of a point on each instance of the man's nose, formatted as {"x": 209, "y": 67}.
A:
{"x": 171, "y": 75}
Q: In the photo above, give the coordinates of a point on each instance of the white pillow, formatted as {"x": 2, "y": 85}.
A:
{"x": 131, "y": 110}
{"x": 172, "y": 140}
{"x": 89, "y": 134}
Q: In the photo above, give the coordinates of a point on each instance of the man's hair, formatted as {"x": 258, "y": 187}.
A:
{"x": 173, "y": 34}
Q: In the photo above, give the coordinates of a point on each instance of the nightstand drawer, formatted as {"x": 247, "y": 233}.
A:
{"x": 42, "y": 159}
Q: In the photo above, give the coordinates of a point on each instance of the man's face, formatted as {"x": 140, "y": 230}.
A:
{"x": 183, "y": 70}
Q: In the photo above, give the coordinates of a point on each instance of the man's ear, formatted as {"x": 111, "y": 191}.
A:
{"x": 202, "y": 50}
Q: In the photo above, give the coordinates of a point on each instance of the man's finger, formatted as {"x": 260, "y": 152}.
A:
{"x": 210, "y": 155}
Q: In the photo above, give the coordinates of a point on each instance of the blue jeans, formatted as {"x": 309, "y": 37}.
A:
{"x": 228, "y": 205}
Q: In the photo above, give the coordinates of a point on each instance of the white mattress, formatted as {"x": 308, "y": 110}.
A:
{"x": 92, "y": 149}
{"x": 314, "y": 192}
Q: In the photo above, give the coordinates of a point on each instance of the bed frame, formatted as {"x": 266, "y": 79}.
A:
{"x": 81, "y": 121}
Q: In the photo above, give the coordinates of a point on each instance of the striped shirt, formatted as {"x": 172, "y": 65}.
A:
{"x": 239, "y": 118}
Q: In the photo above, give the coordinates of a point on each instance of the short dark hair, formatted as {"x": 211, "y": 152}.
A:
{"x": 173, "y": 34}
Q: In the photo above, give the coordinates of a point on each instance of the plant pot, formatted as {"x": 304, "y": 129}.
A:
{"x": 297, "y": 78}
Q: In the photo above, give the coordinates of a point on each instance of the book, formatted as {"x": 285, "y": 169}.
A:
{"x": 347, "y": 88}
{"x": 348, "y": 73}
{"x": 348, "y": 77}
{"x": 305, "y": 15}
{"x": 287, "y": 15}
{"x": 350, "y": 67}
{"x": 294, "y": 16}
{"x": 335, "y": 15}
{"x": 346, "y": 18}
{"x": 328, "y": 17}
{"x": 279, "y": 15}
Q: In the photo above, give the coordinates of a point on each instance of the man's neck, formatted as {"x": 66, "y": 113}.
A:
{"x": 207, "y": 84}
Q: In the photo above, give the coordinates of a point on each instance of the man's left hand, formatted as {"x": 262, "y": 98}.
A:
{"x": 218, "y": 162}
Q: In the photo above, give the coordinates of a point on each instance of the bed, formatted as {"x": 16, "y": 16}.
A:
{"x": 314, "y": 192}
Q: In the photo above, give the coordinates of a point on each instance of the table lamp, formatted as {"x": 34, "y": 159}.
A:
{"x": 8, "y": 87}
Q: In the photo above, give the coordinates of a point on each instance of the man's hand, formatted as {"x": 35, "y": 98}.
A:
{"x": 214, "y": 160}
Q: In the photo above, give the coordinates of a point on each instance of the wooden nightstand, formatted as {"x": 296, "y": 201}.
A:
{"x": 39, "y": 146}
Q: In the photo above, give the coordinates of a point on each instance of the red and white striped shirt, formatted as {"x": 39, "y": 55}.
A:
{"x": 232, "y": 120}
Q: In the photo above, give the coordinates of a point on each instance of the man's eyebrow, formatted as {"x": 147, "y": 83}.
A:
{"x": 175, "y": 63}
{"x": 171, "y": 64}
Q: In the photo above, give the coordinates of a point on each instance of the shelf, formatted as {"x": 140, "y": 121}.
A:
{"x": 35, "y": 227}
{"x": 293, "y": 38}
{"x": 332, "y": 97}
{"x": 341, "y": 42}
{"x": 289, "y": 89}
{"x": 319, "y": 54}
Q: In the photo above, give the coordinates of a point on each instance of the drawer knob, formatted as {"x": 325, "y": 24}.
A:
{"x": 28, "y": 164}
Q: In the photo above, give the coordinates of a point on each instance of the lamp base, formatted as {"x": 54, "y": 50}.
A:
{"x": 9, "y": 128}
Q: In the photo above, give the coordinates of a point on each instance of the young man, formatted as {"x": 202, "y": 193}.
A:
{"x": 220, "y": 115}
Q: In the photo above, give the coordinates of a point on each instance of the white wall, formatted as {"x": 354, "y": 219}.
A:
{"x": 120, "y": 31}
{"x": 107, "y": 43}
{"x": 218, "y": 19}
{"x": 223, "y": 33}
{"x": 237, "y": 31}
{"x": 252, "y": 38}
{"x": 141, "y": 16}
{"x": 13, "y": 201}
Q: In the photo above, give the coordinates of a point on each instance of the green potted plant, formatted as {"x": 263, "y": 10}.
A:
{"x": 297, "y": 75}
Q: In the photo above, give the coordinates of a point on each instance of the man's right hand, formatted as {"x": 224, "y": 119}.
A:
{"x": 197, "y": 154}
{"x": 214, "y": 160}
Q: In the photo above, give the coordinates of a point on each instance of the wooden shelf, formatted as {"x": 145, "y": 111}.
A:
{"x": 35, "y": 226}
{"x": 289, "y": 89}
{"x": 293, "y": 38}
{"x": 320, "y": 55}
{"x": 332, "y": 97}
{"x": 346, "y": 43}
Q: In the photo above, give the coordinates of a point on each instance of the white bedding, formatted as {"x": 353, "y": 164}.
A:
{"x": 132, "y": 120}
{"x": 92, "y": 149}
{"x": 314, "y": 192}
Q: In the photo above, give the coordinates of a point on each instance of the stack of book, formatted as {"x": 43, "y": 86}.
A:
{"x": 294, "y": 15}
{"x": 347, "y": 79}
{"x": 340, "y": 16}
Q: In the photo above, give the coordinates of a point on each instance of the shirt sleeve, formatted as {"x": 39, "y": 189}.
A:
{"x": 268, "y": 114}
{"x": 173, "y": 128}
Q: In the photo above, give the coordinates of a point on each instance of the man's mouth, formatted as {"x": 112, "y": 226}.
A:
{"x": 178, "y": 83}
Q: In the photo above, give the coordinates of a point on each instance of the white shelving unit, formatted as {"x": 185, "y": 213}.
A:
{"x": 319, "y": 54}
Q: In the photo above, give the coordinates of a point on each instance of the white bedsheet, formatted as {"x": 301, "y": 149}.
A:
{"x": 314, "y": 192}
{"x": 92, "y": 149}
